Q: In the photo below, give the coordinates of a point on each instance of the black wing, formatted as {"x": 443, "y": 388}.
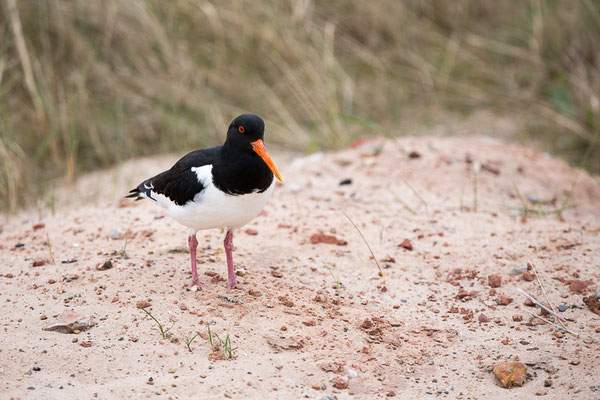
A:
{"x": 180, "y": 184}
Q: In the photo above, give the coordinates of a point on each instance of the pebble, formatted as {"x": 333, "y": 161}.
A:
{"x": 114, "y": 234}
{"x": 106, "y": 265}
{"x": 340, "y": 382}
{"x": 563, "y": 308}
{"x": 495, "y": 281}
{"x": 547, "y": 383}
{"x": 504, "y": 300}
{"x": 142, "y": 304}
{"x": 510, "y": 374}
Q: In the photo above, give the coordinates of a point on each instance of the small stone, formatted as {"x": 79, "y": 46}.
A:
{"x": 43, "y": 317}
{"x": 495, "y": 281}
{"x": 36, "y": 369}
{"x": 503, "y": 300}
{"x": 276, "y": 274}
{"x": 367, "y": 324}
{"x": 529, "y": 303}
{"x": 510, "y": 374}
{"x": 517, "y": 318}
{"x": 240, "y": 272}
{"x": 142, "y": 304}
{"x": 547, "y": 383}
{"x": 86, "y": 343}
{"x": 251, "y": 232}
{"x": 563, "y": 308}
{"x": 182, "y": 306}
{"x": 106, "y": 265}
{"x": 483, "y": 318}
{"x": 347, "y": 181}
{"x": 541, "y": 393}
{"x": 39, "y": 262}
{"x": 559, "y": 334}
{"x": 406, "y": 244}
{"x": 340, "y": 382}
{"x": 114, "y": 234}
{"x": 527, "y": 276}
{"x": 254, "y": 292}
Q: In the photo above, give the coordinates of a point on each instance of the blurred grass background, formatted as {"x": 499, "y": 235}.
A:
{"x": 85, "y": 84}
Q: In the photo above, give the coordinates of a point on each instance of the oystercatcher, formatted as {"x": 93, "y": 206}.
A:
{"x": 220, "y": 187}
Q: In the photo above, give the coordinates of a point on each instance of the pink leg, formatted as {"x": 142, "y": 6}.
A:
{"x": 228, "y": 244}
{"x": 193, "y": 243}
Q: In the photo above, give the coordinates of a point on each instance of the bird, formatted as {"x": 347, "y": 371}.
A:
{"x": 225, "y": 187}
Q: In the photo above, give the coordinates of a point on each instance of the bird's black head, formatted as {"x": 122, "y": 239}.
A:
{"x": 246, "y": 133}
{"x": 246, "y": 128}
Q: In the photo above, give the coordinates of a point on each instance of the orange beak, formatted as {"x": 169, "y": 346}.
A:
{"x": 260, "y": 149}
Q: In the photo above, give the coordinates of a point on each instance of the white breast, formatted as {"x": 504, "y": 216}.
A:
{"x": 214, "y": 209}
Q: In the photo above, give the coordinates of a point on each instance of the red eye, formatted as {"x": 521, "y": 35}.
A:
{"x": 241, "y": 129}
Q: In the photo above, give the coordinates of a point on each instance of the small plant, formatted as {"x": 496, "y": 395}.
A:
{"x": 336, "y": 280}
{"x": 528, "y": 211}
{"x": 163, "y": 331}
{"x": 124, "y": 250}
{"x": 188, "y": 341}
{"x": 225, "y": 345}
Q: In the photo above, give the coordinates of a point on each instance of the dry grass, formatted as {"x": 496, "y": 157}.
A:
{"x": 85, "y": 84}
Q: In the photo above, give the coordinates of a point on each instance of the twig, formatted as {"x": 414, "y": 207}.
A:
{"x": 49, "y": 247}
{"x": 521, "y": 199}
{"x": 415, "y": 192}
{"x": 413, "y": 212}
{"x": 537, "y": 303}
{"x": 530, "y": 264}
{"x": 369, "y": 246}
{"x": 550, "y": 322}
{"x": 476, "y": 167}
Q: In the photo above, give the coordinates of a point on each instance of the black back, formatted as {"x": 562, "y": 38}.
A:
{"x": 236, "y": 170}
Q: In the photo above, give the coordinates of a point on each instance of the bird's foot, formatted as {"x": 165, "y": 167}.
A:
{"x": 196, "y": 285}
{"x": 231, "y": 283}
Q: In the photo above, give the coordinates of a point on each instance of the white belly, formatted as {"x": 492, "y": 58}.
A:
{"x": 214, "y": 209}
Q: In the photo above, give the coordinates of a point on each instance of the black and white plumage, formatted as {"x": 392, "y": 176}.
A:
{"x": 220, "y": 187}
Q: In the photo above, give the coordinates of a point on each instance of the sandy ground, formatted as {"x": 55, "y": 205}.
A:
{"x": 314, "y": 315}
